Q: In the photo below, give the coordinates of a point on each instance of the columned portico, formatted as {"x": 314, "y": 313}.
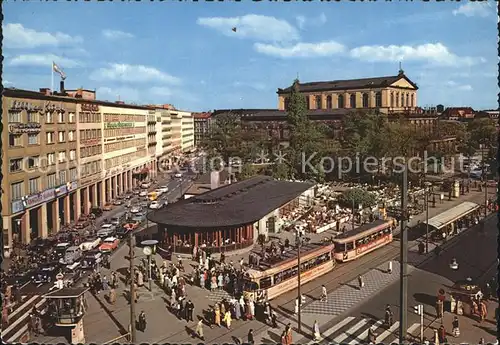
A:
{"x": 102, "y": 186}
{"x": 56, "y": 225}
{"x": 25, "y": 228}
{"x": 42, "y": 221}
{"x": 86, "y": 201}
{"x": 120, "y": 184}
{"x": 67, "y": 213}
{"x": 77, "y": 202}
{"x": 95, "y": 202}
{"x": 108, "y": 189}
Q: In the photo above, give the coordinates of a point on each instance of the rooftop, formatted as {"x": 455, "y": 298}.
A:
{"x": 236, "y": 204}
{"x": 364, "y": 83}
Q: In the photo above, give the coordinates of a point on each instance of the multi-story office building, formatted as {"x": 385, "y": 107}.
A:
{"x": 40, "y": 164}
{"x": 66, "y": 154}
{"x": 201, "y": 127}
{"x": 187, "y": 131}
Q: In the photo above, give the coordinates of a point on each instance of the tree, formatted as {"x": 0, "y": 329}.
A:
{"x": 280, "y": 171}
{"x": 482, "y": 131}
{"x": 358, "y": 196}
{"x": 246, "y": 172}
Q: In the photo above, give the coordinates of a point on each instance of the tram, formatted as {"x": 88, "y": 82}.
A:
{"x": 271, "y": 281}
{"x": 363, "y": 240}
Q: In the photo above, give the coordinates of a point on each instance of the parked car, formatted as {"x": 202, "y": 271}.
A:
{"x": 72, "y": 274}
{"x": 108, "y": 207}
{"x": 106, "y": 230}
{"x": 154, "y": 205}
{"x": 109, "y": 245}
{"x": 90, "y": 243}
{"x": 96, "y": 211}
{"x": 123, "y": 231}
{"x": 46, "y": 273}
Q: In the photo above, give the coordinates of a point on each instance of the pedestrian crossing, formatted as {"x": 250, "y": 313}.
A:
{"x": 353, "y": 331}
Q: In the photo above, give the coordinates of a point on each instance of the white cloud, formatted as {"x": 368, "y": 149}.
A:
{"x": 161, "y": 91}
{"x": 435, "y": 53}
{"x": 43, "y": 60}
{"x": 116, "y": 34}
{"x": 252, "y": 26}
{"x": 457, "y": 86}
{"x": 133, "y": 74}
{"x": 15, "y": 35}
{"x": 302, "y": 21}
{"x": 474, "y": 9}
{"x": 255, "y": 86}
{"x": 155, "y": 94}
{"x": 320, "y": 49}
{"x": 125, "y": 94}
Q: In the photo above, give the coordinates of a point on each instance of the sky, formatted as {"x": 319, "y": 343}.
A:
{"x": 186, "y": 53}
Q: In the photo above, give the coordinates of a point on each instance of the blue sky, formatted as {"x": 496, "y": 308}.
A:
{"x": 186, "y": 53}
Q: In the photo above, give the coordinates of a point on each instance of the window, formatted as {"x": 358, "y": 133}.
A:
{"x": 329, "y": 104}
{"x": 62, "y": 137}
{"x": 412, "y": 100}
{"x": 15, "y": 140}
{"x": 397, "y": 99}
{"x": 17, "y": 190}
{"x": 71, "y": 136}
{"x": 33, "y": 117}
{"x": 402, "y": 99}
{"x": 71, "y": 118}
{"x": 287, "y": 103}
{"x": 33, "y": 139}
{"x": 51, "y": 158}
{"x": 33, "y": 162}
{"x": 378, "y": 99}
{"x": 307, "y": 103}
{"x": 353, "y": 100}
{"x": 49, "y": 117}
{"x": 62, "y": 177}
{"x": 72, "y": 155}
{"x": 16, "y": 165}
{"x": 318, "y": 102}
{"x": 51, "y": 180}
{"x": 34, "y": 185}
{"x": 341, "y": 101}
{"x": 73, "y": 174}
{"x": 407, "y": 100}
{"x": 49, "y": 137}
{"x": 62, "y": 156}
{"x": 60, "y": 117}
{"x": 392, "y": 100}
{"x": 365, "y": 100}
{"x": 15, "y": 117}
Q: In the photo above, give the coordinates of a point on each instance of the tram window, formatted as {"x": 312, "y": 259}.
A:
{"x": 339, "y": 247}
{"x": 286, "y": 274}
{"x": 265, "y": 283}
{"x": 349, "y": 246}
{"x": 249, "y": 285}
{"x": 360, "y": 242}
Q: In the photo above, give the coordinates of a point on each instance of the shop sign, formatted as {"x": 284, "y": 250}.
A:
{"x": 17, "y": 206}
{"x": 119, "y": 124}
{"x": 89, "y": 142}
{"x": 91, "y": 179}
{"x": 19, "y": 128}
{"x": 20, "y": 105}
{"x": 50, "y": 107}
{"x": 61, "y": 190}
{"x": 90, "y": 107}
{"x": 72, "y": 186}
{"x": 35, "y": 199}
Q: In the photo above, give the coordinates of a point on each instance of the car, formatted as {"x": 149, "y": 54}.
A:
{"x": 136, "y": 191}
{"x": 82, "y": 224}
{"x": 90, "y": 243}
{"x": 154, "y": 205}
{"x": 178, "y": 175}
{"x": 135, "y": 209}
{"x": 116, "y": 220}
{"x": 128, "y": 196}
{"x": 108, "y": 207}
{"x": 109, "y": 244}
{"x": 131, "y": 225}
{"x": 91, "y": 259}
{"x": 117, "y": 202}
{"x": 165, "y": 203}
{"x": 60, "y": 248}
{"x": 72, "y": 274}
{"x": 162, "y": 189}
{"x": 41, "y": 244}
{"x": 106, "y": 230}
{"x": 143, "y": 193}
{"x": 45, "y": 273}
{"x": 96, "y": 211}
{"x": 139, "y": 217}
{"x": 146, "y": 185}
{"x": 20, "y": 279}
{"x": 123, "y": 231}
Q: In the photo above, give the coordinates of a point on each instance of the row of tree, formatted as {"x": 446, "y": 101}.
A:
{"x": 363, "y": 135}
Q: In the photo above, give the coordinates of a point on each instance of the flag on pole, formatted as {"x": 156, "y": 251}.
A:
{"x": 58, "y": 70}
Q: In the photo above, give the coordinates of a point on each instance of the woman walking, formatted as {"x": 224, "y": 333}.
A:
{"x": 228, "y": 319}
{"x": 317, "y": 336}
{"x": 199, "y": 330}
{"x": 217, "y": 315}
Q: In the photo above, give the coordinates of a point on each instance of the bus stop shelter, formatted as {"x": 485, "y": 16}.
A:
{"x": 448, "y": 217}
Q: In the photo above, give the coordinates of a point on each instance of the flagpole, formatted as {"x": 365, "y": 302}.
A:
{"x": 52, "y": 80}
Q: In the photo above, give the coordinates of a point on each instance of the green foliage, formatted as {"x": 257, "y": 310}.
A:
{"x": 247, "y": 171}
{"x": 359, "y": 196}
{"x": 482, "y": 131}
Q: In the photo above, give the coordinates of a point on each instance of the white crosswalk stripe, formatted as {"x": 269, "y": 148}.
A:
{"x": 335, "y": 328}
{"x": 362, "y": 337}
{"x": 387, "y": 333}
{"x": 350, "y": 331}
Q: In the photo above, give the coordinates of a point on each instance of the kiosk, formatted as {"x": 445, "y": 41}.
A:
{"x": 66, "y": 307}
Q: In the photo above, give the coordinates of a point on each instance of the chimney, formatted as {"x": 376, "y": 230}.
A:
{"x": 62, "y": 87}
{"x": 214, "y": 180}
{"x": 119, "y": 102}
{"x": 45, "y": 91}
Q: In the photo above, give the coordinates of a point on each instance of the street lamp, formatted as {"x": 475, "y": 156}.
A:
{"x": 299, "y": 233}
{"x": 149, "y": 250}
{"x": 484, "y": 178}
{"x": 427, "y": 185}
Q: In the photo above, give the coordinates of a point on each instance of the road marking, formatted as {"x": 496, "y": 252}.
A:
{"x": 387, "y": 333}
{"x": 350, "y": 331}
{"x": 413, "y": 328}
{"x": 22, "y": 306}
{"x": 335, "y": 328}
{"x": 21, "y": 318}
{"x": 362, "y": 337}
{"x": 24, "y": 285}
{"x": 40, "y": 284}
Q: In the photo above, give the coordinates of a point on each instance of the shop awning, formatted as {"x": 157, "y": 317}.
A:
{"x": 445, "y": 218}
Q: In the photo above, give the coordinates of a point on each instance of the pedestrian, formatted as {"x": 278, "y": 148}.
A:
{"x": 135, "y": 296}
{"x": 112, "y": 296}
{"x": 274, "y": 319}
{"x": 142, "y": 321}
{"x": 442, "y": 334}
{"x": 483, "y": 311}
{"x": 323, "y": 293}
{"x": 189, "y": 309}
{"x": 456, "y": 329}
{"x": 317, "y": 335}
{"x": 481, "y": 341}
{"x": 296, "y": 306}
{"x": 199, "y": 330}
{"x": 389, "y": 267}
{"x": 228, "y": 319}
{"x": 250, "y": 338}
{"x": 289, "y": 333}
{"x": 237, "y": 310}
{"x": 217, "y": 315}
{"x": 284, "y": 338}
{"x": 361, "y": 282}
